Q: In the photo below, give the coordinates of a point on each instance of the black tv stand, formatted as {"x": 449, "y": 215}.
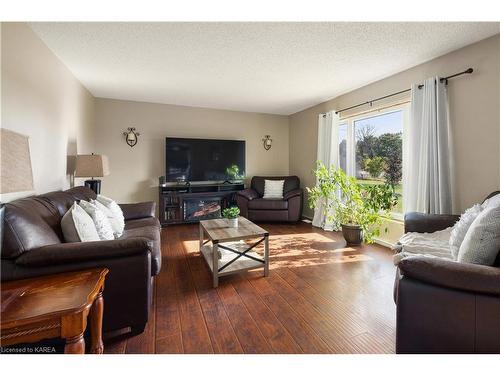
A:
{"x": 189, "y": 203}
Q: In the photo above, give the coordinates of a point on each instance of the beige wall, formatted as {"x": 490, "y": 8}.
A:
{"x": 41, "y": 98}
{"x": 135, "y": 171}
{"x": 475, "y": 118}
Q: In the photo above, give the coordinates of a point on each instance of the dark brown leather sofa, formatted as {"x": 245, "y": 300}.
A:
{"x": 33, "y": 245}
{"x": 255, "y": 208}
{"x": 445, "y": 306}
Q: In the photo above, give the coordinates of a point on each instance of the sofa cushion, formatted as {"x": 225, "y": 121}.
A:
{"x": 117, "y": 225}
{"x": 267, "y": 204}
{"x": 78, "y": 226}
{"x": 482, "y": 241}
{"x": 149, "y": 232}
{"x": 492, "y": 200}
{"x": 115, "y": 214}
{"x": 28, "y": 224}
{"x": 435, "y": 244}
{"x": 291, "y": 183}
{"x": 268, "y": 215}
{"x": 461, "y": 227}
{"x": 101, "y": 222}
{"x": 273, "y": 189}
{"x": 141, "y": 223}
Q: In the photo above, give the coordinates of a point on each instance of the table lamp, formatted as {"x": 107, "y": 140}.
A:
{"x": 92, "y": 166}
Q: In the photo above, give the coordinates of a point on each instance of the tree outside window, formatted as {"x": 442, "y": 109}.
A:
{"x": 379, "y": 151}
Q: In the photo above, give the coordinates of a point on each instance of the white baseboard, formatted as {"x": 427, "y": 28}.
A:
{"x": 384, "y": 243}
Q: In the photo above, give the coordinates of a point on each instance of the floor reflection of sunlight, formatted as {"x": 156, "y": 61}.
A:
{"x": 302, "y": 250}
{"x": 307, "y": 262}
{"x": 343, "y": 250}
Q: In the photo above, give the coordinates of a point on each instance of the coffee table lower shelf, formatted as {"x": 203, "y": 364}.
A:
{"x": 225, "y": 256}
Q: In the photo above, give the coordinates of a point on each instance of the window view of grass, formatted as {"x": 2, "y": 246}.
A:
{"x": 379, "y": 151}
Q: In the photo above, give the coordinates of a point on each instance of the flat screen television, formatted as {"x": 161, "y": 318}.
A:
{"x": 196, "y": 160}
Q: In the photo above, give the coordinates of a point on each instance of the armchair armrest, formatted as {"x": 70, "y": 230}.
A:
{"x": 418, "y": 222}
{"x": 292, "y": 193}
{"x": 248, "y": 194}
{"x": 462, "y": 276}
{"x": 138, "y": 210}
{"x": 76, "y": 252}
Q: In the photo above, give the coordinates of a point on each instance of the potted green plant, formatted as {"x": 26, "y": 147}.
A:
{"x": 233, "y": 172}
{"x": 231, "y": 214}
{"x": 355, "y": 208}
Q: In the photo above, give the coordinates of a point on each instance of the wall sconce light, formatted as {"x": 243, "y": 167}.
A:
{"x": 131, "y": 136}
{"x": 267, "y": 142}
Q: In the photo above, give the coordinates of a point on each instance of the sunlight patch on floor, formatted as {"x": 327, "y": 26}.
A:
{"x": 275, "y": 262}
{"x": 342, "y": 250}
{"x": 300, "y": 250}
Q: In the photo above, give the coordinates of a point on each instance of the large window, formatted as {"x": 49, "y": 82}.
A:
{"x": 371, "y": 148}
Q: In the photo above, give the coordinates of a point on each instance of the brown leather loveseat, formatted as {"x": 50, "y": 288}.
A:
{"x": 256, "y": 208}
{"x": 33, "y": 245}
{"x": 445, "y": 306}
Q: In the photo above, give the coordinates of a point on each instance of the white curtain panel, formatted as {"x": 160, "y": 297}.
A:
{"x": 328, "y": 154}
{"x": 428, "y": 155}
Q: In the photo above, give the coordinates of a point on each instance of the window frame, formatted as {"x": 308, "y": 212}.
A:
{"x": 404, "y": 107}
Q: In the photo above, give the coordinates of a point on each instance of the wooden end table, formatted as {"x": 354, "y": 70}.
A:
{"x": 54, "y": 306}
{"x": 227, "y": 253}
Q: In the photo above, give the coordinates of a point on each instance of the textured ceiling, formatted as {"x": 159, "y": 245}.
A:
{"x": 277, "y": 68}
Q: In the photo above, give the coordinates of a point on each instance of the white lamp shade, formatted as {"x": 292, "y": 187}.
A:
{"x": 91, "y": 166}
{"x": 15, "y": 170}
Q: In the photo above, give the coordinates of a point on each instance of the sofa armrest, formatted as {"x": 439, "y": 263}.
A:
{"x": 75, "y": 252}
{"x": 248, "y": 194}
{"x": 419, "y": 222}
{"x": 446, "y": 273}
{"x": 292, "y": 193}
{"x": 138, "y": 210}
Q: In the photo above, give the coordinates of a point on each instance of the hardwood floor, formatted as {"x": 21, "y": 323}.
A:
{"x": 320, "y": 297}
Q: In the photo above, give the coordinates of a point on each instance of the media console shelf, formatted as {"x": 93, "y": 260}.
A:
{"x": 187, "y": 203}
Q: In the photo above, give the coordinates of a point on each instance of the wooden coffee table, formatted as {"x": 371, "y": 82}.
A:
{"x": 225, "y": 251}
{"x": 54, "y": 306}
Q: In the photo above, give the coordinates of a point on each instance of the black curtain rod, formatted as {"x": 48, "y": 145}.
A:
{"x": 445, "y": 79}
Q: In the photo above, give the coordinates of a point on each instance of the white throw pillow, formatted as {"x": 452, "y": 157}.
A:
{"x": 113, "y": 220}
{"x": 273, "y": 189}
{"x": 101, "y": 222}
{"x": 492, "y": 202}
{"x": 435, "y": 244}
{"x": 461, "y": 227}
{"x": 482, "y": 241}
{"x": 119, "y": 219}
{"x": 78, "y": 226}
